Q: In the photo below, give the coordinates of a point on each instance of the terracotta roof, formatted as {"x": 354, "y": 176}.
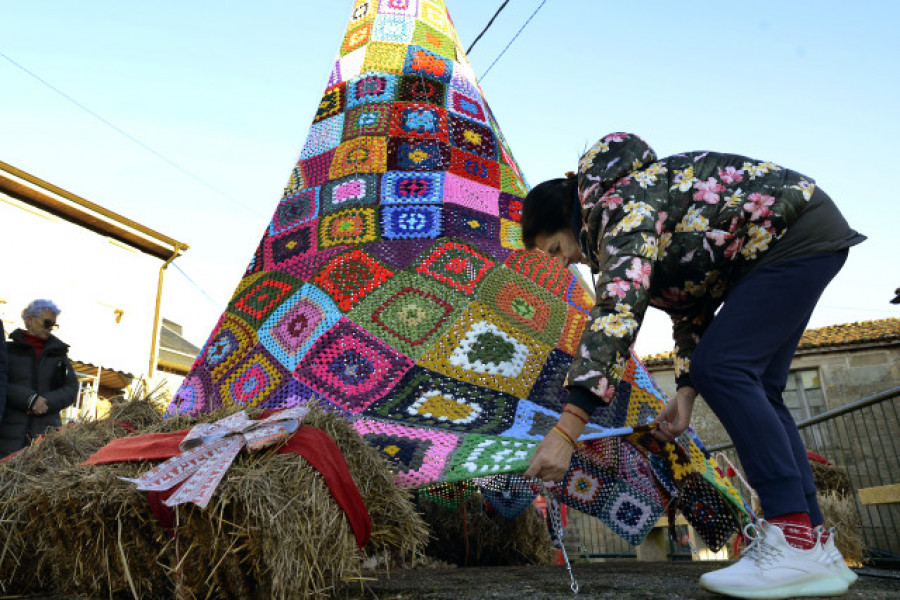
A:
{"x": 833, "y": 336}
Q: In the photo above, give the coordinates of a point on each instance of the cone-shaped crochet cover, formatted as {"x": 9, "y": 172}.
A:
{"x": 391, "y": 286}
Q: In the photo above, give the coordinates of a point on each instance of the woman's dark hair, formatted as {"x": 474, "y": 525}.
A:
{"x": 548, "y": 208}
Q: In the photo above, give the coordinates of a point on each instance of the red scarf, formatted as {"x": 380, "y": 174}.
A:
{"x": 35, "y": 342}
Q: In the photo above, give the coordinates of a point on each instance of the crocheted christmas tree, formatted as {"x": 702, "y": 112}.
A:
{"x": 391, "y": 286}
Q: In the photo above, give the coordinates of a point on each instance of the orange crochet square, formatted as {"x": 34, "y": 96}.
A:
{"x": 360, "y": 155}
{"x": 571, "y": 335}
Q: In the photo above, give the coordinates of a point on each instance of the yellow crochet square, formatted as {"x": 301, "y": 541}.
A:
{"x": 386, "y": 57}
{"x": 431, "y": 39}
{"x": 435, "y": 14}
{"x": 511, "y": 234}
{"x": 363, "y": 10}
{"x": 360, "y": 155}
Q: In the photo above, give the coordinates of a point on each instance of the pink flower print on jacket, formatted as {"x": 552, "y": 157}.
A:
{"x": 758, "y": 206}
{"x": 731, "y": 175}
{"x": 709, "y": 191}
{"x": 618, "y": 287}
{"x": 639, "y": 273}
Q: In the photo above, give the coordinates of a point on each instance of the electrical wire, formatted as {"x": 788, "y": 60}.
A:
{"x": 162, "y": 157}
{"x": 512, "y": 40}
{"x": 196, "y": 285}
{"x": 486, "y": 27}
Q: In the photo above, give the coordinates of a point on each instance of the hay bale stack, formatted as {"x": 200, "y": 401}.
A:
{"x": 837, "y": 499}
{"x": 470, "y": 535}
{"x": 271, "y": 530}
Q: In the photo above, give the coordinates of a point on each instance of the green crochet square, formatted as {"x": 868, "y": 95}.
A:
{"x": 484, "y": 455}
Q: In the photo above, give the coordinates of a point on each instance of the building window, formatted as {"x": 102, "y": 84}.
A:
{"x": 805, "y": 398}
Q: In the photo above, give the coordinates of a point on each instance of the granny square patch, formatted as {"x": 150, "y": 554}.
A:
{"x": 393, "y": 28}
{"x": 457, "y": 265}
{"x": 372, "y": 119}
{"x": 257, "y": 302}
{"x": 510, "y": 182}
{"x": 528, "y": 307}
{"x": 408, "y": 311}
{"x": 289, "y": 394}
{"x": 290, "y": 245}
{"x": 432, "y": 400}
{"x": 332, "y": 103}
{"x": 412, "y": 187}
{"x": 509, "y": 495}
{"x": 636, "y": 472}
{"x": 349, "y": 226}
{"x": 300, "y": 320}
{"x": 531, "y": 421}
{"x": 548, "y": 390}
{"x": 480, "y": 456}
{"x": 418, "y": 155}
{"x": 473, "y": 137}
{"x": 295, "y": 181}
{"x": 371, "y": 87}
{"x": 252, "y": 380}
{"x": 419, "y": 455}
{"x": 195, "y": 395}
{"x": 356, "y": 37}
{"x": 296, "y": 209}
{"x": 386, "y": 57}
{"x": 411, "y": 221}
{"x": 572, "y": 330}
{"x": 542, "y": 269}
{"x": 410, "y": 120}
{"x": 363, "y": 10}
{"x": 352, "y": 190}
{"x": 349, "y": 277}
{"x": 466, "y": 105}
{"x": 480, "y": 349}
{"x": 315, "y": 170}
{"x": 323, "y": 136}
{"x": 433, "y": 40}
{"x": 462, "y": 83}
{"x": 511, "y": 235}
{"x": 629, "y": 513}
{"x": 365, "y": 154}
{"x": 435, "y": 14}
{"x": 579, "y": 297}
{"x": 349, "y": 66}
{"x": 477, "y": 168}
{"x": 413, "y": 88}
{"x": 406, "y": 8}
{"x": 399, "y": 254}
{"x": 469, "y": 224}
{"x": 510, "y": 207}
{"x": 350, "y": 367}
{"x": 587, "y": 486}
{"x": 422, "y": 62}
{"x": 471, "y": 194}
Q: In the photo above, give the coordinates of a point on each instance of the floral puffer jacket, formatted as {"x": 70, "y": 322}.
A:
{"x": 676, "y": 233}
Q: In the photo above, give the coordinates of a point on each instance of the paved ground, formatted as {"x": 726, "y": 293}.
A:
{"x": 605, "y": 581}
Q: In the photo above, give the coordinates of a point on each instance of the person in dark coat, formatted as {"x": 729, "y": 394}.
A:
{"x": 4, "y": 369}
{"x": 737, "y": 252}
{"x": 41, "y": 380}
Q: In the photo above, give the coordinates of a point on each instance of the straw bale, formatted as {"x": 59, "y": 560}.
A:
{"x": 840, "y": 511}
{"x": 271, "y": 530}
{"x": 470, "y": 535}
{"x": 830, "y": 478}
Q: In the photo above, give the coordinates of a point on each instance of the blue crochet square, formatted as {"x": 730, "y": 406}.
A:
{"x": 405, "y": 222}
{"x": 412, "y": 187}
{"x": 371, "y": 86}
{"x": 393, "y": 28}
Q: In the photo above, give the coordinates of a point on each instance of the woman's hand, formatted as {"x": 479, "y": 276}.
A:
{"x": 551, "y": 458}
{"x": 40, "y": 406}
{"x": 675, "y": 416}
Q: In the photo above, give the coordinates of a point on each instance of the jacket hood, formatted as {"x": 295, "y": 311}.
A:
{"x": 53, "y": 342}
{"x": 613, "y": 157}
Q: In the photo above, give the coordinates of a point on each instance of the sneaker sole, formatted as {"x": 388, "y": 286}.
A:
{"x": 828, "y": 586}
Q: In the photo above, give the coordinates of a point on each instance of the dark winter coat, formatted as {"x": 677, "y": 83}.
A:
{"x": 51, "y": 376}
{"x": 678, "y": 233}
{"x": 4, "y": 368}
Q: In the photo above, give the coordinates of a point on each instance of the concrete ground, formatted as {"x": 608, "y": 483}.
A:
{"x": 607, "y": 581}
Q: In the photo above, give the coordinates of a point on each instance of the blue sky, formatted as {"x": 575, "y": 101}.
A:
{"x": 227, "y": 90}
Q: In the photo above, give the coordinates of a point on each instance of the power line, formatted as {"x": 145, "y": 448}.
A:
{"x": 196, "y": 285}
{"x": 167, "y": 160}
{"x": 486, "y": 27}
{"x": 512, "y": 40}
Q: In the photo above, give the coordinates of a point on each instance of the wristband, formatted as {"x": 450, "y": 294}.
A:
{"x": 562, "y": 433}
{"x": 32, "y": 400}
{"x": 572, "y": 412}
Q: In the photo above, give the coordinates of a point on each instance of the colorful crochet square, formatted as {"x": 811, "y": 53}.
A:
{"x": 510, "y": 207}
{"x": 456, "y": 264}
{"x": 421, "y": 62}
{"x": 541, "y": 269}
{"x": 411, "y": 120}
{"x": 349, "y": 277}
{"x": 429, "y": 399}
{"x": 316, "y": 169}
{"x": 363, "y": 10}
{"x": 373, "y": 119}
{"x": 332, "y": 103}
{"x": 532, "y": 422}
{"x": 548, "y": 390}
{"x": 410, "y": 221}
{"x": 300, "y": 320}
{"x": 296, "y": 209}
{"x": 356, "y": 37}
{"x": 420, "y": 89}
{"x": 434, "y": 41}
{"x": 707, "y": 511}
{"x": 412, "y": 187}
{"x": 195, "y": 395}
{"x": 480, "y": 349}
{"x": 350, "y": 367}
{"x": 629, "y": 513}
{"x": 323, "y": 136}
{"x": 587, "y": 485}
{"x": 435, "y": 14}
{"x": 419, "y": 455}
{"x": 481, "y": 170}
{"x": 579, "y": 297}
{"x": 359, "y": 155}
{"x": 291, "y": 393}
{"x": 393, "y": 28}
{"x": 473, "y": 137}
{"x": 295, "y": 181}
{"x": 465, "y": 104}
{"x": 571, "y": 335}
{"x": 384, "y": 56}
{"x": 471, "y": 194}
{"x": 511, "y": 235}
{"x": 634, "y": 469}
{"x": 371, "y": 87}
{"x": 353, "y": 190}
{"x": 406, "y": 8}
{"x": 481, "y": 455}
{"x": 510, "y": 182}
{"x": 409, "y": 312}
{"x": 509, "y": 495}
{"x": 418, "y": 155}
{"x": 260, "y": 300}
{"x": 530, "y": 308}
{"x": 350, "y": 226}
{"x": 252, "y": 380}
{"x": 469, "y": 224}
{"x": 281, "y": 250}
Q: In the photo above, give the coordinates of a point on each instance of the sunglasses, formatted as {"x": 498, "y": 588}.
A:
{"x": 49, "y": 324}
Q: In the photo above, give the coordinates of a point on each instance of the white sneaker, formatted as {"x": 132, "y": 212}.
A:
{"x": 834, "y": 556}
{"x": 770, "y": 568}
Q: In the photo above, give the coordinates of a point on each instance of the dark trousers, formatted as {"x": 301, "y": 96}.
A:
{"x": 741, "y": 366}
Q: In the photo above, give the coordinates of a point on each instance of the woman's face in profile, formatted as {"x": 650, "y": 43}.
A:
{"x": 41, "y": 326}
{"x": 561, "y": 245}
